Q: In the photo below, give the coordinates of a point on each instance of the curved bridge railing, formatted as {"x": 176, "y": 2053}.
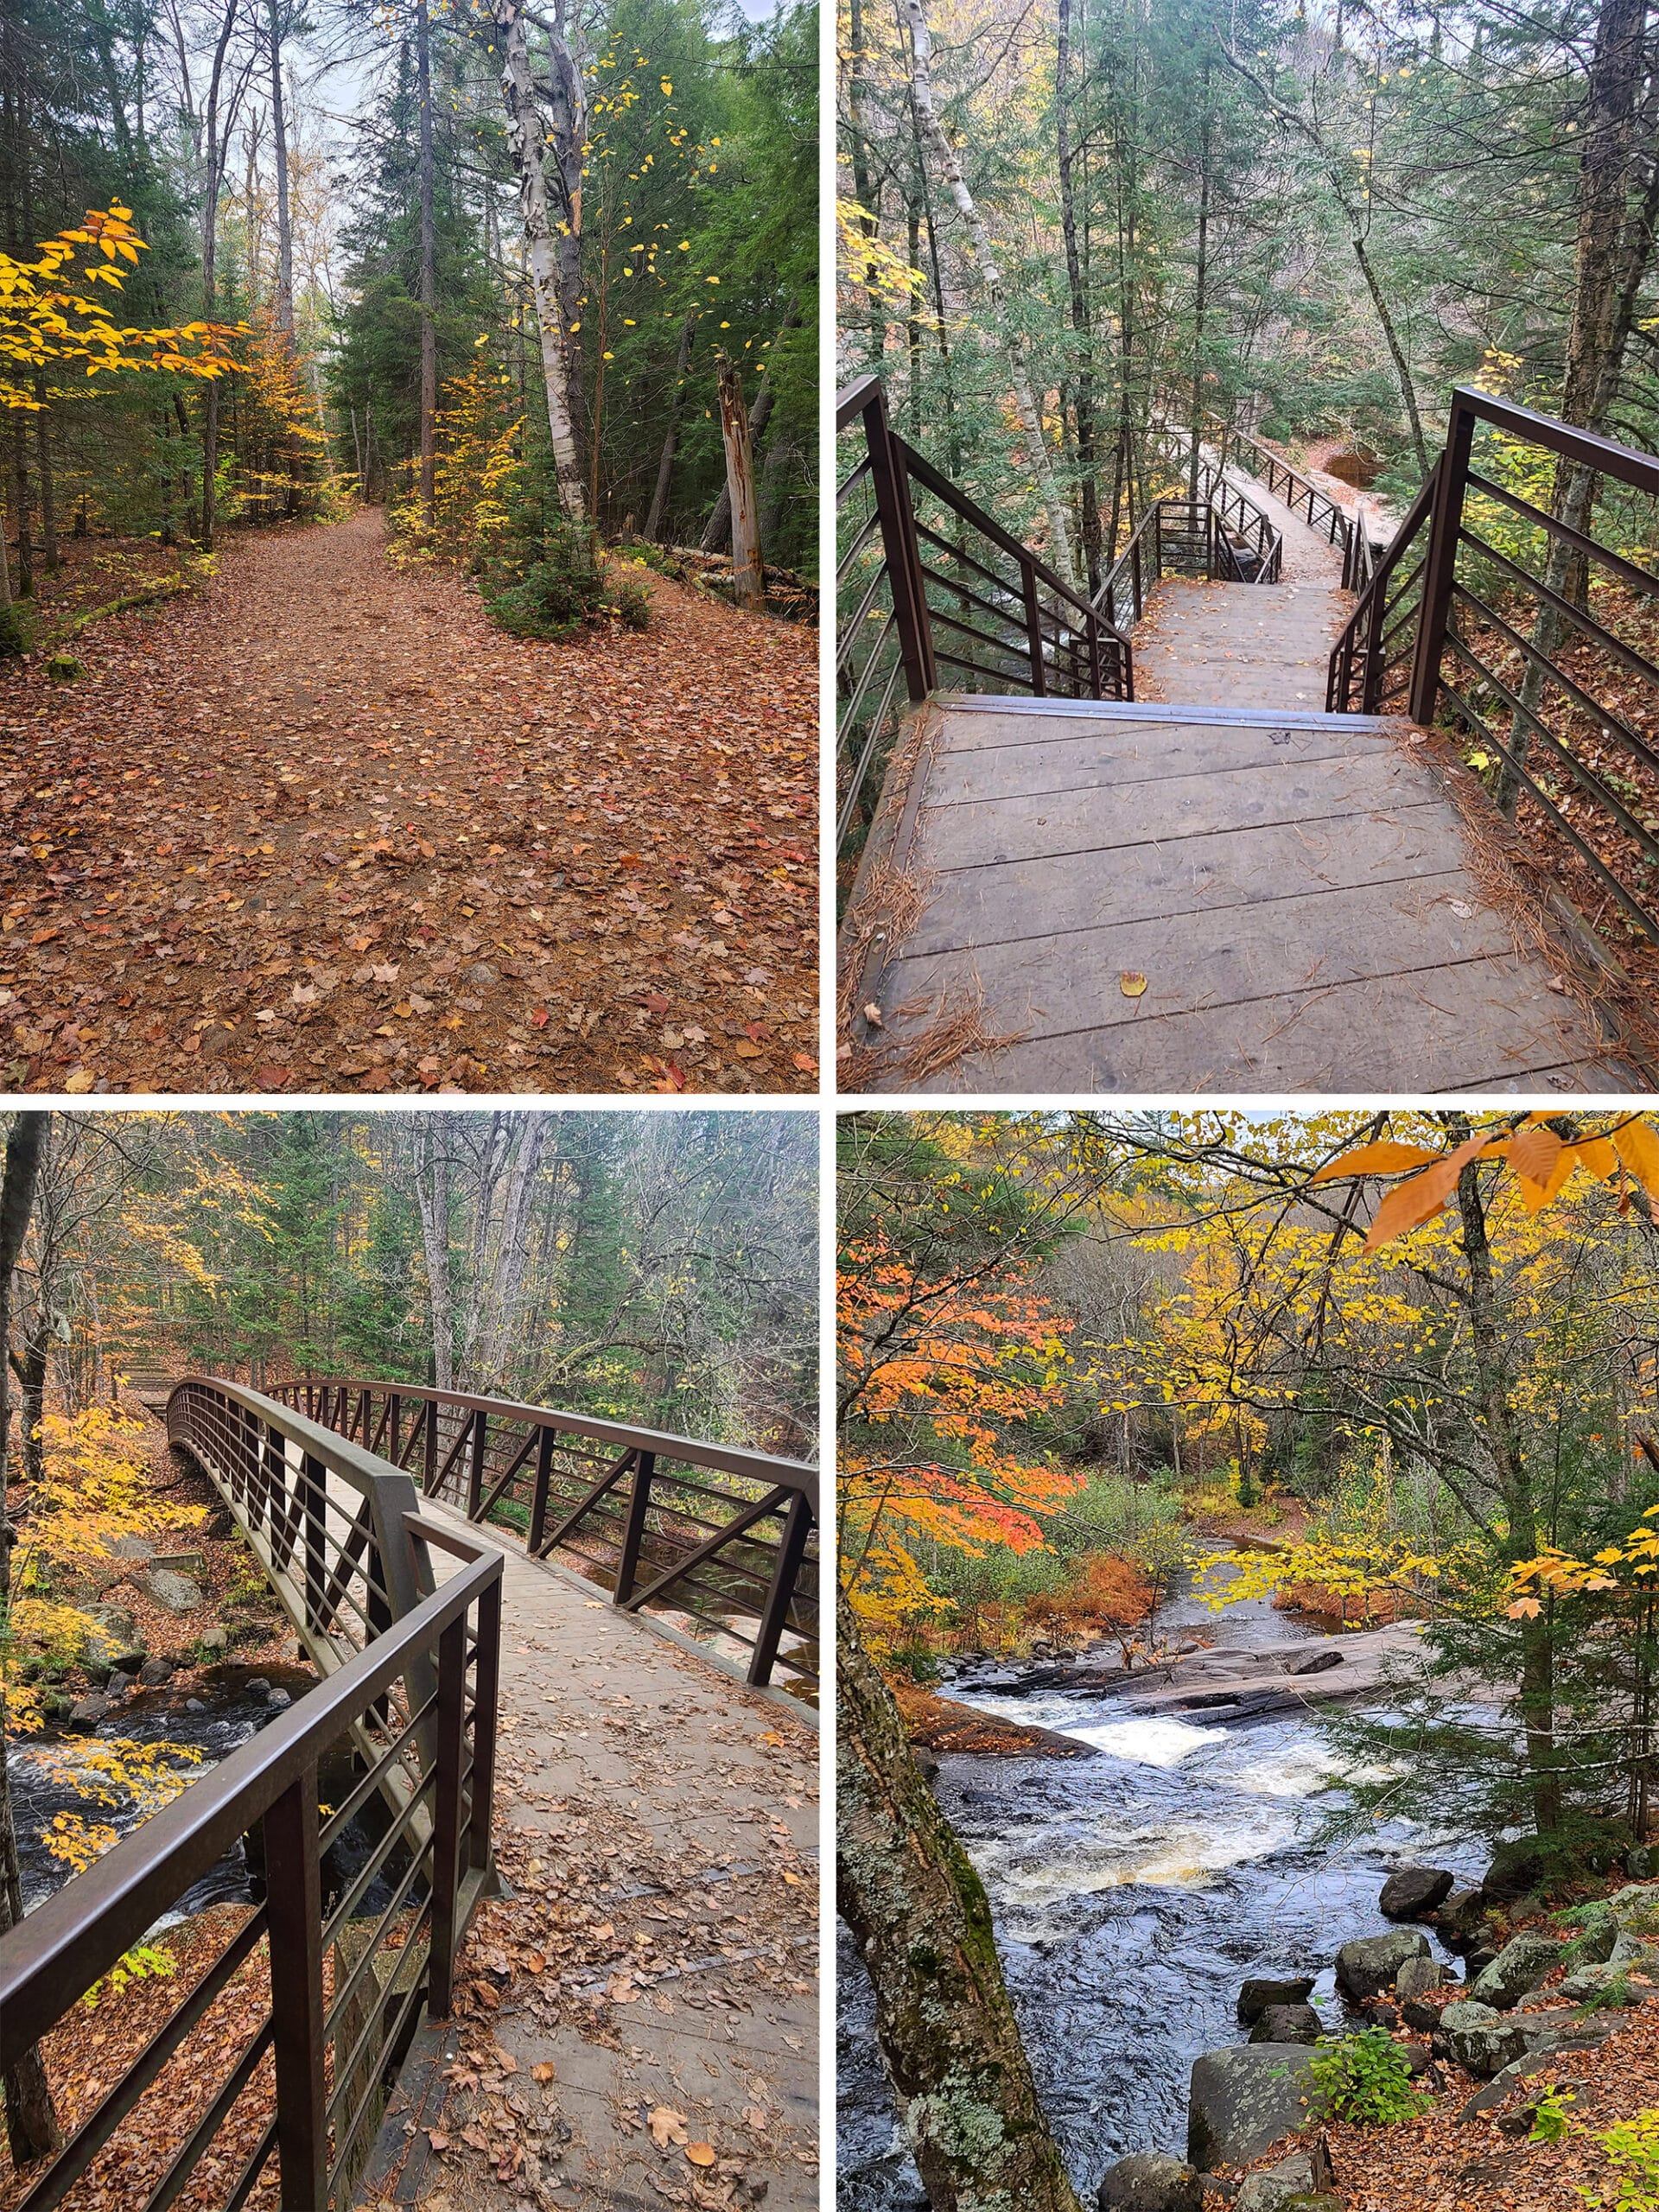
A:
{"x": 724, "y": 1538}
{"x": 286, "y": 2043}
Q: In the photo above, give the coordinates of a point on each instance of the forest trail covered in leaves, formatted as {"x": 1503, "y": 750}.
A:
{"x": 321, "y": 825}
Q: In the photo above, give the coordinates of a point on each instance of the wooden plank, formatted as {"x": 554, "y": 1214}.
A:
{"x": 1230, "y": 868}
{"x": 1078, "y": 759}
{"x": 1386, "y": 1036}
{"x": 1027, "y": 825}
{"x": 1050, "y": 986}
{"x": 1151, "y": 710}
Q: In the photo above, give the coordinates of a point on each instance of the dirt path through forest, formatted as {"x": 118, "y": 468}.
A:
{"x": 322, "y": 826}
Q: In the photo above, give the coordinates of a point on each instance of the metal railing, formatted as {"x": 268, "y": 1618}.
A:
{"x": 669, "y": 1526}
{"x": 1534, "y": 635}
{"x": 344, "y": 1954}
{"x": 928, "y": 581}
{"x": 1222, "y": 535}
{"x": 1370, "y": 669}
{"x": 1325, "y": 516}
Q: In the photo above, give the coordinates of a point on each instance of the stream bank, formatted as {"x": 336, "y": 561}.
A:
{"x": 1134, "y": 1890}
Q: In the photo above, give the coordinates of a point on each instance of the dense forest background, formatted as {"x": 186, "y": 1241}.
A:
{"x": 659, "y": 1268}
{"x": 1312, "y": 221}
{"x": 346, "y": 190}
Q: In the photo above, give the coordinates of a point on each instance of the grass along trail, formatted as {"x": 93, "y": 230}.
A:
{"x": 322, "y": 826}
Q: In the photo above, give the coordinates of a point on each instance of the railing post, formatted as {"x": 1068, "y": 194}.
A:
{"x": 1033, "y": 628}
{"x": 538, "y": 1498}
{"x": 1440, "y": 564}
{"x": 627, "y": 1566}
{"x": 447, "y": 1749}
{"x": 792, "y": 1551}
{"x": 486, "y": 1684}
{"x": 294, "y": 1910}
{"x": 313, "y": 1479}
{"x": 394, "y": 1422}
{"x": 903, "y": 551}
{"x": 475, "y": 1466}
{"x": 429, "y": 1449}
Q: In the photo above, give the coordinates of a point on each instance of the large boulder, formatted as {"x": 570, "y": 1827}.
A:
{"x": 1261, "y": 1991}
{"x": 85, "y": 1713}
{"x": 173, "y": 1592}
{"x": 1411, "y": 1892}
{"x": 1635, "y": 1910}
{"x": 1479, "y": 2037}
{"x": 1243, "y": 2099}
{"x": 1608, "y": 1980}
{"x": 1150, "y": 2182}
{"x": 1286, "y": 2024}
{"x": 1520, "y": 1965}
{"x": 1367, "y": 1967}
{"x": 1461, "y": 1917}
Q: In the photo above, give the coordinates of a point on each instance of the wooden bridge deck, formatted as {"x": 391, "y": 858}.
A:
{"x": 656, "y": 1827}
{"x": 1294, "y": 886}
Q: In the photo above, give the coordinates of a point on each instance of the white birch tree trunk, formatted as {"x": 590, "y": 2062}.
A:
{"x": 525, "y": 137}
{"x": 1025, "y": 400}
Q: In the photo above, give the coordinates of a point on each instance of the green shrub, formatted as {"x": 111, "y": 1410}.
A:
{"x": 1366, "y": 2078}
{"x": 562, "y": 585}
{"x": 1632, "y": 2148}
{"x": 1551, "y": 2121}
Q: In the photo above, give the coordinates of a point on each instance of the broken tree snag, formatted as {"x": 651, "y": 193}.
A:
{"x": 740, "y": 485}
{"x": 920, "y": 1917}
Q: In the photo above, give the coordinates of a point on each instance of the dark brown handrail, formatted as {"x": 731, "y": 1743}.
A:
{"x": 443, "y": 1744}
{"x": 1503, "y": 626}
{"x": 669, "y": 1524}
{"x": 1043, "y": 636}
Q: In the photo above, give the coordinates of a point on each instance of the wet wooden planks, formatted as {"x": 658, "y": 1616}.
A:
{"x": 1294, "y": 887}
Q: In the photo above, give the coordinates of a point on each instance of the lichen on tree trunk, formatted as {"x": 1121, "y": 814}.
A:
{"x": 944, "y": 2021}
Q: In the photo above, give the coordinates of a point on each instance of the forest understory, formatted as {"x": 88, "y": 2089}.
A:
{"x": 319, "y": 824}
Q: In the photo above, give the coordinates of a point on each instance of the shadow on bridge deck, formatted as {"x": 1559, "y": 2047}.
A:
{"x": 657, "y": 1830}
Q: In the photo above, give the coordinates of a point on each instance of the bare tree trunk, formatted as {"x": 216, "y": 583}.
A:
{"x": 218, "y": 154}
{"x": 432, "y": 1188}
{"x": 665, "y": 466}
{"x": 1199, "y": 288}
{"x": 32, "y": 2130}
{"x": 429, "y": 268}
{"x": 44, "y": 460}
{"x": 1087, "y": 461}
{"x": 524, "y": 141}
{"x": 1024, "y": 399}
{"x": 284, "y": 303}
{"x": 740, "y": 485}
{"x": 920, "y": 1914}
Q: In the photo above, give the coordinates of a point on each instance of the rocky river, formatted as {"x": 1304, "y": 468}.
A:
{"x": 1134, "y": 1891}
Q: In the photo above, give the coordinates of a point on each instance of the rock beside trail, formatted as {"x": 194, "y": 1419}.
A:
{"x": 1411, "y": 1892}
{"x": 1367, "y": 1967}
{"x": 1150, "y": 2182}
{"x": 1260, "y": 1990}
{"x": 1286, "y": 2024}
{"x": 1519, "y": 1966}
{"x": 1608, "y": 1978}
{"x": 1243, "y": 2099}
{"x": 155, "y": 1672}
{"x": 173, "y": 1592}
{"x": 1479, "y": 2037}
{"x": 214, "y": 1638}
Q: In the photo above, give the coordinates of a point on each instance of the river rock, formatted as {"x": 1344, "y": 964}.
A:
{"x": 1520, "y": 1965}
{"x": 174, "y": 1592}
{"x": 1150, "y": 2182}
{"x": 153, "y": 1672}
{"x": 257, "y": 1685}
{"x": 1243, "y": 2099}
{"x": 112, "y": 1641}
{"x": 119, "y": 1685}
{"x": 277, "y": 1700}
{"x": 1367, "y": 1967}
{"x": 195, "y": 1704}
{"x": 214, "y": 1639}
{"x": 1416, "y": 1977}
{"x": 1260, "y": 1992}
{"x": 1293, "y": 2181}
{"x": 1461, "y": 1916}
{"x": 1286, "y": 2024}
{"x": 1479, "y": 2037}
{"x": 1412, "y": 1891}
{"x": 87, "y": 1712}
{"x": 1314, "y": 1662}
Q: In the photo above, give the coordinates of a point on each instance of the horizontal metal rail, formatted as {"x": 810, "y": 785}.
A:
{"x": 726, "y": 1536}
{"x": 353, "y": 1985}
{"x": 927, "y": 578}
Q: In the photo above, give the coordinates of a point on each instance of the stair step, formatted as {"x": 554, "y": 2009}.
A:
{"x": 1126, "y": 710}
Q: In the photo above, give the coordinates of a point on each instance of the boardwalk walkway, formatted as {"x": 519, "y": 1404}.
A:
{"x": 657, "y": 1828}
{"x": 1295, "y": 888}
